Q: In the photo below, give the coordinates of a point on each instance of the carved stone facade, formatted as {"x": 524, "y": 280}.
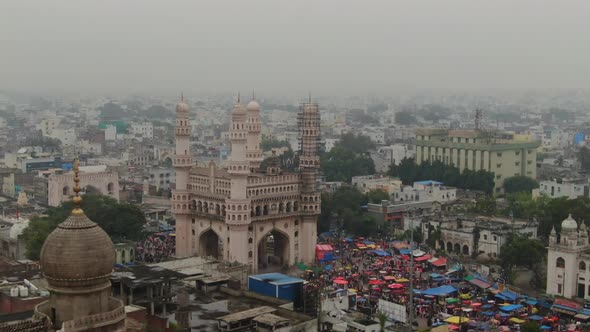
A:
{"x": 59, "y": 186}
{"x": 242, "y": 213}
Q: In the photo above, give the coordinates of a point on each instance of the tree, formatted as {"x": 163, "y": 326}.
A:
{"x": 485, "y": 205}
{"x": 356, "y": 143}
{"x": 121, "y": 221}
{"x": 520, "y": 183}
{"x": 382, "y": 318}
{"x": 409, "y": 172}
{"x": 521, "y": 251}
{"x": 342, "y": 164}
{"x": 418, "y": 236}
{"x": 376, "y": 196}
{"x": 405, "y": 118}
{"x": 269, "y": 143}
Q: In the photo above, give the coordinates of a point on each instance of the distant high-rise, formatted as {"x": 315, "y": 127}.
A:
{"x": 242, "y": 213}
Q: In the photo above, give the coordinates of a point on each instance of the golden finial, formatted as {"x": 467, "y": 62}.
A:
{"x": 77, "y": 199}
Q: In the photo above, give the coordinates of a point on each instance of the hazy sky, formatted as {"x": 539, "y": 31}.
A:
{"x": 292, "y": 46}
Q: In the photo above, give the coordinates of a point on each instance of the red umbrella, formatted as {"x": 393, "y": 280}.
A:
{"x": 395, "y": 286}
{"x": 340, "y": 282}
{"x": 376, "y": 282}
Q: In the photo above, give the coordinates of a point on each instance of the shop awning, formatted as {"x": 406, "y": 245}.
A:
{"x": 440, "y": 262}
{"x": 480, "y": 283}
{"x": 564, "y": 309}
{"x": 511, "y": 307}
{"x": 423, "y": 258}
{"x": 442, "y": 290}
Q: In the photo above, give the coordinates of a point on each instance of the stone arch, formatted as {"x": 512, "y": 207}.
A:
{"x": 200, "y": 206}
{"x": 65, "y": 191}
{"x": 265, "y": 210}
{"x": 217, "y": 209}
{"x": 281, "y": 207}
{"x": 288, "y": 207}
{"x": 193, "y": 205}
{"x": 457, "y": 248}
{"x": 92, "y": 190}
{"x": 205, "y": 207}
{"x": 560, "y": 262}
{"x": 258, "y": 211}
{"x": 449, "y": 247}
{"x": 223, "y": 210}
{"x": 274, "y": 249}
{"x": 582, "y": 266}
{"x": 296, "y": 206}
{"x": 110, "y": 188}
{"x": 465, "y": 249}
{"x": 210, "y": 244}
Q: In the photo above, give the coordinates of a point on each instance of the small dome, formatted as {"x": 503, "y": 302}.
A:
{"x": 253, "y": 105}
{"x": 182, "y": 107}
{"x": 77, "y": 253}
{"x": 569, "y": 224}
{"x": 239, "y": 109}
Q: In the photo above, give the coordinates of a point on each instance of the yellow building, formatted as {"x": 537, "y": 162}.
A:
{"x": 504, "y": 154}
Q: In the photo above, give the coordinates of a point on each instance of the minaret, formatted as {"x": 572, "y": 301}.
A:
{"x": 253, "y": 148}
{"x": 181, "y": 196}
{"x": 238, "y": 205}
{"x": 309, "y": 163}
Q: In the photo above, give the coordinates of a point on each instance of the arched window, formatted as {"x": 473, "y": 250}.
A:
{"x": 582, "y": 266}
{"x": 66, "y": 191}
{"x": 560, "y": 262}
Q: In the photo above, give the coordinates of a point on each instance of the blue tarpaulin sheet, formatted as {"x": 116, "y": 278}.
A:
{"x": 328, "y": 267}
{"x": 507, "y": 295}
{"x": 512, "y": 307}
{"x": 381, "y": 253}
{"x": 535, "y": 317}
{"x": 442, "y": 290}
{"x": 404, "y": 251}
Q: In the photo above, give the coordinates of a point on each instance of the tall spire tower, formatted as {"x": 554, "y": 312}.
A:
{"x": 309, "y": 164}
{"x": 238, "y": 216}
{"x": 182, "y": 164}
{"x": 253, "y": 148}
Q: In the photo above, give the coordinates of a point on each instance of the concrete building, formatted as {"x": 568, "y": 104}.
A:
{"x": 92, "y": 179}
{"x": 570, "y": 189}
{"x": 367, "y": 183}
{"x": 459, "y": 234}
{"x": 143, "y": 130}
{"x": 161, "y": 177}
{"x": 242, "y": 213}
{"x": 504, "y": 154}
{"x": 568, "y": 261}
{"x": 425, "y": 191}
{"x": 12, "y": 244}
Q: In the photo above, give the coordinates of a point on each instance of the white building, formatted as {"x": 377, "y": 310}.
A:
{"x": 329, "y": 143}
{"x": 110, "y": 133}
{"x": 425, "y": 191}
{"x": 396, "y": 152}
{"x": 66, "y": 135}
{"x": 568, "y": 261}
{"x": 367, "y": 183}
{"x": 567, "y": 189}
{"x": 143, "y": 130}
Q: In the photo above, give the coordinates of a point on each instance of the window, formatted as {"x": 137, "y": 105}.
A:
{"x": 530, "y": 151}
{"x": 529, "y": 162}
{"x": 517, "y": 163}
{"x": 498, "y": 177}
{"x": 495, "y": 238}
{"x": 485, "y": 236}
{"x": 559, "y": 288}
{"x": 499, "y": 154}
{"x": 582, "y": 266}
{"x": 517, "y": 153}
{"x": 499, "y": 165}
{"x": 560, "y": 262}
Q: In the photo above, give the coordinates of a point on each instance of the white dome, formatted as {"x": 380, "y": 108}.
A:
{"x": 253, "y": 105}
{"x": 17, "y": 228}
{"x": 569, "y": 224}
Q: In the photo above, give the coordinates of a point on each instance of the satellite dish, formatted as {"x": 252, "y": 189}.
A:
{"x": 22, "y": 150}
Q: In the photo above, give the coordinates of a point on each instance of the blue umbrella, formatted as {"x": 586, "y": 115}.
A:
{"x": 545, "y": 327}
{"x": 488, "y": 313}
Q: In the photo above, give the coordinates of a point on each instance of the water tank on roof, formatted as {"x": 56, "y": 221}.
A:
{"x": 23, "y": 291}
{"x": 14, "y": 291}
